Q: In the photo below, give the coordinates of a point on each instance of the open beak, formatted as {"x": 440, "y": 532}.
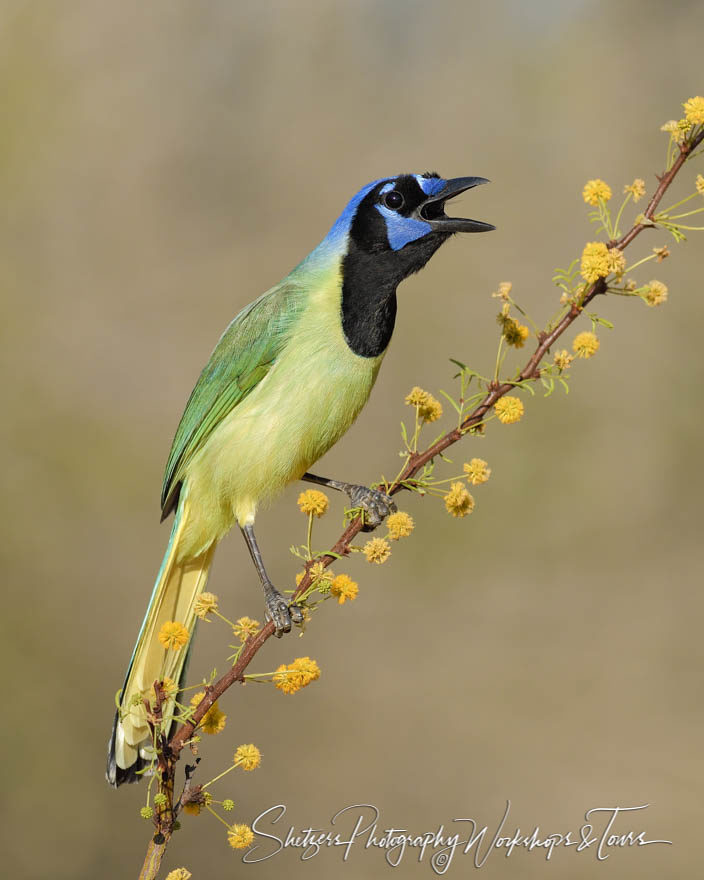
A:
{"x": 432, "y": 210}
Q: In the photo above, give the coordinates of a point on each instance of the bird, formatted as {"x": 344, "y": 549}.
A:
{"x": 286, "y": 380}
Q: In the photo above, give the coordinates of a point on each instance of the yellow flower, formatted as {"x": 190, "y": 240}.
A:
{"x": 400, "y": 525}
{"x": 694, "y": 110}
{"x": 284, "y": 681}
{"x": 617, "y": 261}
{"x": 240, "y": 836}
{"x": 562, "y": 359}
{"x": 663, "y": 252}
{"x": 214, "y": 720}
{"x": 678, "y": 129}
{"x": 179, "y": 874}
{"x": 173, "y": 635}
{"x": 228, "y": 805}
{"x": 503, "y": 291}
{"x": 699, "y": 183}
{"x": 585, "y": 345}
{"x": 477, "y": 471}
{"x": 595, "y": 191}
{"x": 321, "y": 577}
{"x": 509, "y": 410}
{"x": 296, "y": 675}
{"x": 344, "y": 588}
{"x": 245, "y": 627}
{"x": 514, "y": 333}
{"x": 432, "y": 410}
{"x": 205, "y": 604}
{"x": 656, "y": 293}
{"x": 313, "y": 501}
{"x": 377, "y": 550}
{"x": 307, "y": 669}
{"x": 636, "y": 189}
{"x": 595, "y": 261}
{"x": 458, "y": 501}
{"x": 146, "y": 812}
{"x": 416, "y": 396}
{"x": 429, "y": 409}
{"x": 248, "y": 757}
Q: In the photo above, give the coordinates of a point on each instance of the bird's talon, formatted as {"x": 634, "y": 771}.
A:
{"x": 281, "y": 613}
{"x": 376, "y": 505}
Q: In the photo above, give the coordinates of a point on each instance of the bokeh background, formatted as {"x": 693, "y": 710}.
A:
{"x": 162, "y": 164}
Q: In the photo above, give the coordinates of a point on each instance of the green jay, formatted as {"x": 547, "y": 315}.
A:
{"x": 286, "y": 380}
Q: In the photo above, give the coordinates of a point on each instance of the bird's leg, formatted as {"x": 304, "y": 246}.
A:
{"x": 375, "y": 504}
{"x": 277, "y": 608}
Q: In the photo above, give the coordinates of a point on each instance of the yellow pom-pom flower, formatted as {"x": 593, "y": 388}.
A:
{"x": 617, "y": 261}
{"x": 296, "y": 675}
{"x": 400, "y": 525}
{"x": 377, "y": 550}
{"x": 596, "y": 262}
{"x": 595, "y": 191}
{"x": 240, "y": 836}
{"x": 173, "y": 635}
{"x": 504, "y": 290}
{"x": 245, "y": 627}
{"x": 458, "y": 501}
{"x": 179, "y": 874}
{"x": 344, "y": 588}
{"x": 562, "y": 359}
{"x": 586, "y": 344}
{"x": 636, "y": 189}
{"x": 477, "y": 471}
{"x": 678, "y": 129}
{"x": 656, "y": 293}
{"x": 514, "y": 333}
{"x": 699, "y": 183}
{"x": 694, "y": 110}
{"x": 214, "y": 720}
{"x": 313, "y": 501}
{"x": 429, "y": 409}
{"x": 248, "y": 757}
{"x": 205, "y": 604}
{"x": 509, "y": 410}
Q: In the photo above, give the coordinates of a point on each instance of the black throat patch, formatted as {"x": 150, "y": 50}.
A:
{"x": 371, "y": 272}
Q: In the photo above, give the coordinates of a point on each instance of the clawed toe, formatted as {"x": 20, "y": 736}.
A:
{"x": 376, "y": 505}
{"x": 281, "y": 613}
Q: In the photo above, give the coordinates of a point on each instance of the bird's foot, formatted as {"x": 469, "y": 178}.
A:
{"x": 376, "y": 505}
{"x": 279, "y": 611}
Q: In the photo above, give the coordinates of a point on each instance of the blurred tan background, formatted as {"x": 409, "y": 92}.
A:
{"x": 162, "y": 164}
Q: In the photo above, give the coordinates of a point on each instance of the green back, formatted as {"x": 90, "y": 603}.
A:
{"x": 241, "y": 359}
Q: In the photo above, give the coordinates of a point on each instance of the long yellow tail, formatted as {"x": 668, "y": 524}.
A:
{"x": 178, "y": 585}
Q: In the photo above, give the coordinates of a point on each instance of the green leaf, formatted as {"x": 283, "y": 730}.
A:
{"x": 450, "y": 400}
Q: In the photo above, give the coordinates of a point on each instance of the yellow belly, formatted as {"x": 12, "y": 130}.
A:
{"x": 307, "y": 401}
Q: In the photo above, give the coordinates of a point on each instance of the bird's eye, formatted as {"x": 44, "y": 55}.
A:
{"x": 393, "y": 200}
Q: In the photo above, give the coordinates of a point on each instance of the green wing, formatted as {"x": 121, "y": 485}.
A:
{"x": 241, "y": 359}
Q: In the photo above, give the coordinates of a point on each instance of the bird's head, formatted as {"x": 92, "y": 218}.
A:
{"x": 400, "y": 221}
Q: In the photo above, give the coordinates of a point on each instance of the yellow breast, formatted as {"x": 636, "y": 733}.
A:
{"x": 307, "y": 401}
